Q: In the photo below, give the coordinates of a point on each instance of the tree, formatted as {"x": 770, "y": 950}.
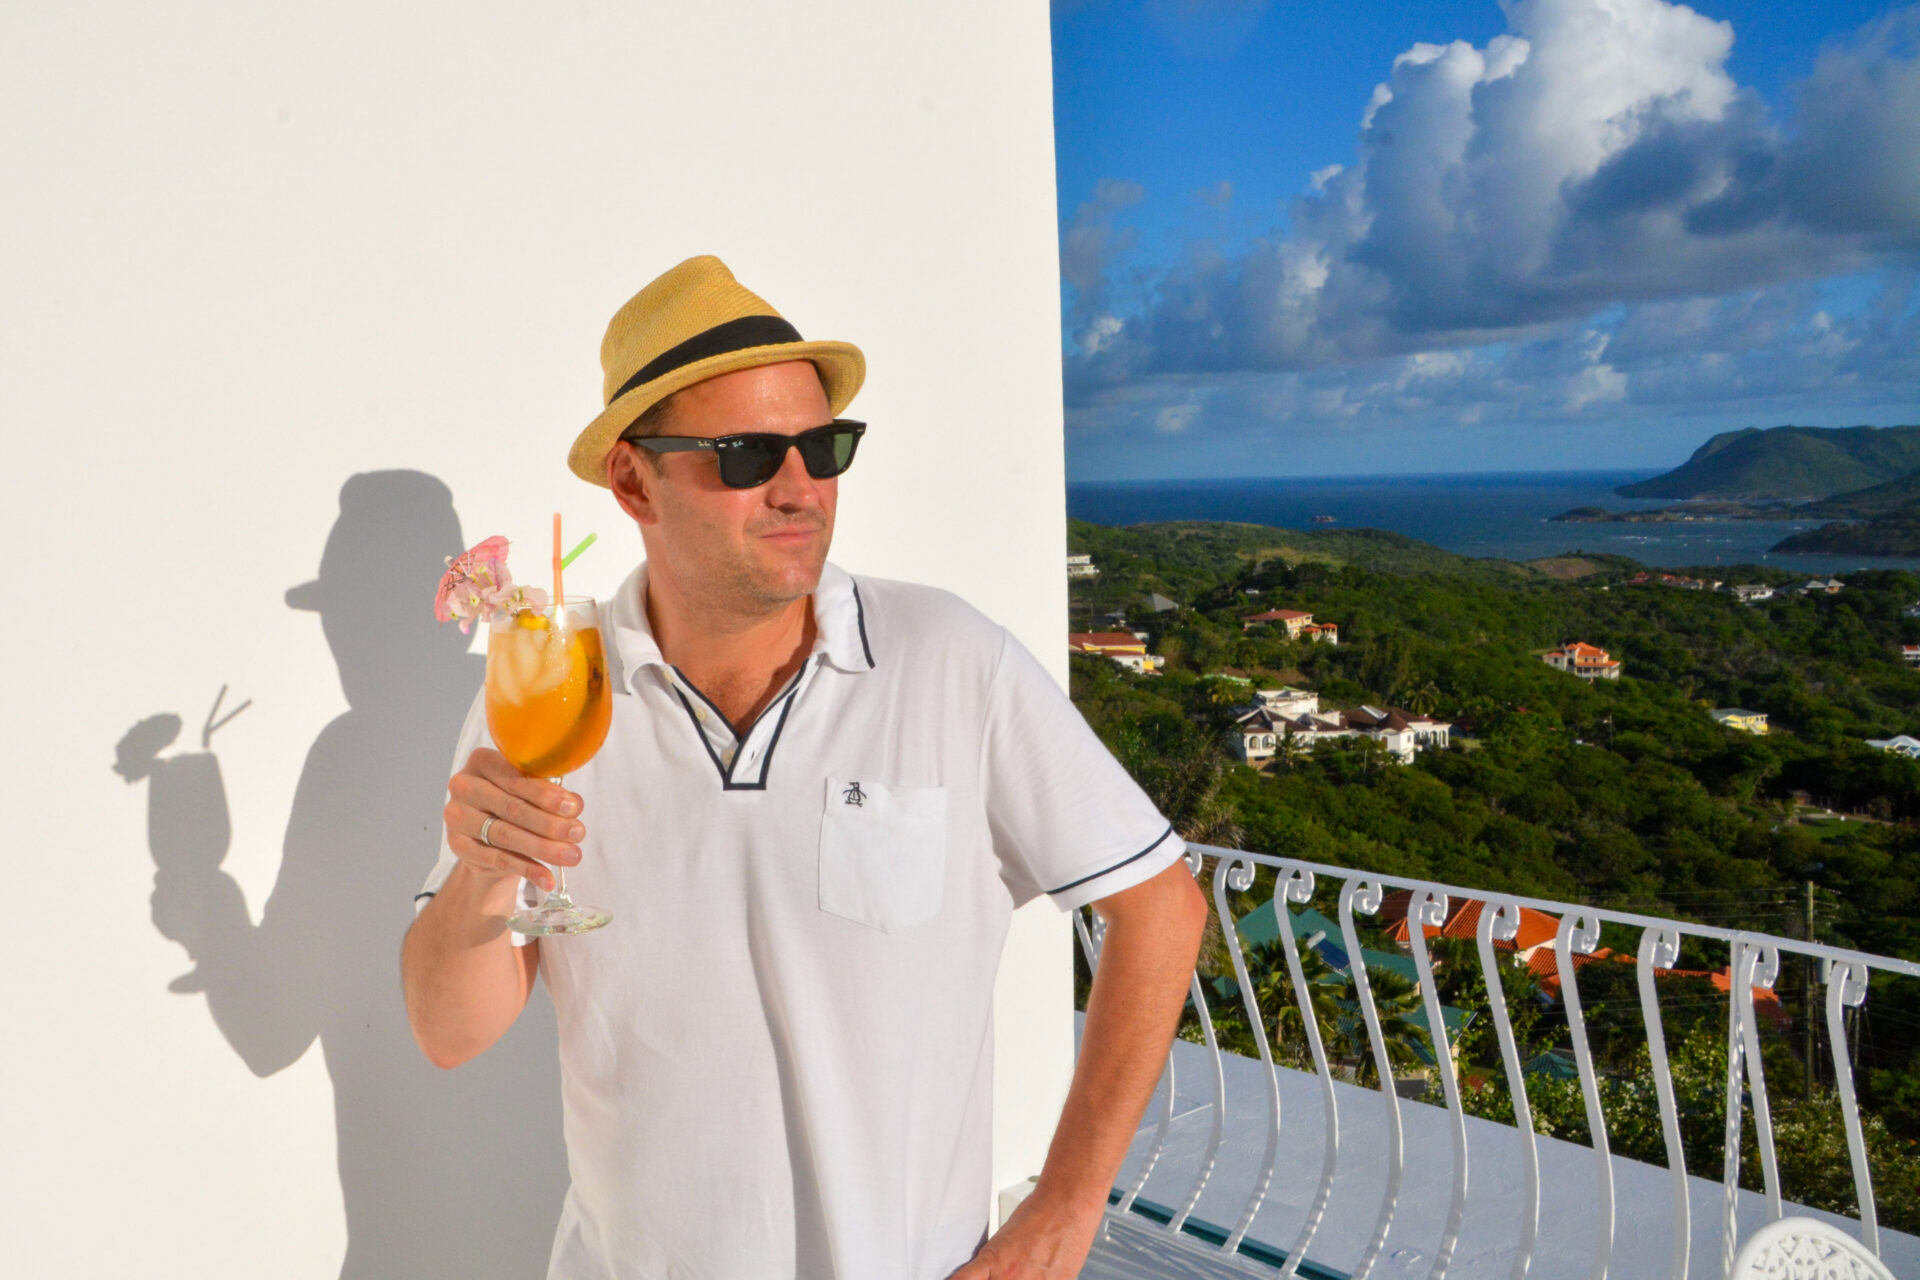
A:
{"x": 1396, "y": 1000}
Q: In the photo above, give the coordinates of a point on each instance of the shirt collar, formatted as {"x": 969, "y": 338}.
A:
{"x": 839, "y": 615}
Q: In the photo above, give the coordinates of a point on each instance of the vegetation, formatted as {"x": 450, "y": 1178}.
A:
{"x": 1787, "y": 462}
{"x": 1895, "y": 533}
{"x": 1620, "y": 793}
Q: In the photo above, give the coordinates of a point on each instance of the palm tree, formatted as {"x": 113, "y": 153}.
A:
{"x": 1396, "y": 999}
{"x": 1273, "y": 985}
{"x": 1288, "y": 749}
{"x": 1280, "y": 1013}
{"x": 1422, "y": 701}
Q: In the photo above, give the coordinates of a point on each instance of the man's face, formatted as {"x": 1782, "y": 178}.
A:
{"x": 745, "y": 550}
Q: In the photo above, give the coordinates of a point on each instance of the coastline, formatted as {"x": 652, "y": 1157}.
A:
{"x": 1500, "y": 515}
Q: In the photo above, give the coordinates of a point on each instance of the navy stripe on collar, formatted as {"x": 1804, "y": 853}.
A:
{"x": 860, "y": 615}
{"x": 726, "y": 767}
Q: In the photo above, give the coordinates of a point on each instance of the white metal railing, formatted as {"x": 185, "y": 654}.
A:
{"x": 1755, "y": 963}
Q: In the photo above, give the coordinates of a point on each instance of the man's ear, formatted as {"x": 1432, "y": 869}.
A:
{"x": 635, "y": 484}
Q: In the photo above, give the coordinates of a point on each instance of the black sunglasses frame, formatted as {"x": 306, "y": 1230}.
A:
{"x": 748, "y": 459}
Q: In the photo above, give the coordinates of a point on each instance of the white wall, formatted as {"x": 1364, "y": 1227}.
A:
{"x": 252, "y": 250}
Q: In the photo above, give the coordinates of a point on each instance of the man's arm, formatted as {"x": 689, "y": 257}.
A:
{"x": 465, "y": 982}
{"x": 1146, "y": 965}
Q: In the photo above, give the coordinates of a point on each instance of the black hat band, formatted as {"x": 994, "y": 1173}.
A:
{"x": 734, "y": 335}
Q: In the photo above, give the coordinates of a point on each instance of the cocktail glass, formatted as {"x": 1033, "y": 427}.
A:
{"x": 548, "y": 710}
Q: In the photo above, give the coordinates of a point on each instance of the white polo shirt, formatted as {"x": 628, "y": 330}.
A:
{"x": 777, "y": 1061}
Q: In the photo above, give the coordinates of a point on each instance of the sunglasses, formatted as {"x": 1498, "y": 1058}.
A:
{"x": 751, "y": 458}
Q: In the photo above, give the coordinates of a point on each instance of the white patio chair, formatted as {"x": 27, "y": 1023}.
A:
{"x": 1806, "y": 1249}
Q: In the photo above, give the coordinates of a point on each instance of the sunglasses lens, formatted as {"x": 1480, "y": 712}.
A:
{"x": 751, "y": 461}
{"x": 829, "y": 451}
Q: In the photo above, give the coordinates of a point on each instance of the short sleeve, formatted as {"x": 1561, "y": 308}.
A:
{"x": 1066, "y": 819}
{"x": 472, "y": 734}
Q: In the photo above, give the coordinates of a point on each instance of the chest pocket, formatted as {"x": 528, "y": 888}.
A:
{"x": 883, "y": 852}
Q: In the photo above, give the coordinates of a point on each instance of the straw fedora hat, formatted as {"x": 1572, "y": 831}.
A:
{"x": 693, "y": 323}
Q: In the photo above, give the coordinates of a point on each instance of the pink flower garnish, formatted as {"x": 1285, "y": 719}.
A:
{"x": 476, "y": 585}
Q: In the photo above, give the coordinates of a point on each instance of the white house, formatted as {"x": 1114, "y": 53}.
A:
{"x": 1752, "y": 592}
{"x": 1288, "y": 701}
{"x": 1901, "y": 744}
{"x": 1911, "y": 652}
{"x": 1588, "y": 661}
{"x": 1400, "y": 731}
{"x": 1258, "y": 734}
{"x": 1082, "y": 567}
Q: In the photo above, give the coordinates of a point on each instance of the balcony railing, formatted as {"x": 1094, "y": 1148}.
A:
{"x": 1226, "y": 1247}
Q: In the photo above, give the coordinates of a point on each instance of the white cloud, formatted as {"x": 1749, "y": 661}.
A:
{"x": 1597, "y": 155}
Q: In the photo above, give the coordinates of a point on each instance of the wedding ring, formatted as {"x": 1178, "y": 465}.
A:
{"x": 485, "y": 827}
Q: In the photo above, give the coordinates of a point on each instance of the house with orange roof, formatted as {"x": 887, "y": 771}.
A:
{"x": 1128, "y": 648}
{"x": 1320, "y": 633}
{"x": 1544, "y": 965}
{"x": 1463, "y": 921}
{"x": 1292, "y": 619}
{"x": 1588, "y": 661}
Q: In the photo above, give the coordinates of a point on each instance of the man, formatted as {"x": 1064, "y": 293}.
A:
{"x": 820, "y": 800}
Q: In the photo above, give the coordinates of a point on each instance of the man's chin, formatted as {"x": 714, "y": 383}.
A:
{"x": 789, "y": 577}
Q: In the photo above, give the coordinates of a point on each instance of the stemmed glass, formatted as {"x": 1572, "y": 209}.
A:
{"x": 548, "y": 710}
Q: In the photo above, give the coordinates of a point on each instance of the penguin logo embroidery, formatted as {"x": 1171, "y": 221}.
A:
{"x": 855, "y": 796}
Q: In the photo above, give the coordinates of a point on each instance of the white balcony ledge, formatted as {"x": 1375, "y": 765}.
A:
{"x": 1642, "y": 1247}
{"x": 1231, "y": 1170}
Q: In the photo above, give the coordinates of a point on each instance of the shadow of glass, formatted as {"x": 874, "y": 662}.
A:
{"x": 456, "y": 1173}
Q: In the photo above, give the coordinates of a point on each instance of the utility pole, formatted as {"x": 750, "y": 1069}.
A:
{"x": 1806, "y": 1000}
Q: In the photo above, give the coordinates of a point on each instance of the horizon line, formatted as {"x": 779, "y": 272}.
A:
{"x": 1381, "y": 475}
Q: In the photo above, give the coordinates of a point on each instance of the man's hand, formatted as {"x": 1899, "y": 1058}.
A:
{"x": 535, "y": 822}
{"x": 1040, "y": 1241}
{"x": 464, "y": 981}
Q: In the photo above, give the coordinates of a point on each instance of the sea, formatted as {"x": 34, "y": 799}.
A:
{"x": 1504, "y": 514}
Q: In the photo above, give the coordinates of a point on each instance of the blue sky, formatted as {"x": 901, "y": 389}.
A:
{"x": 1306, "y": 238}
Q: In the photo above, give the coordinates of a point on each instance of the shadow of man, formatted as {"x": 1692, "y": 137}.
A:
{"x": 455, "y": 1173}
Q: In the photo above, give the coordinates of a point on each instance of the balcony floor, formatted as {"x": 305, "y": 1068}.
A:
{"x": 1138, "y": 1248}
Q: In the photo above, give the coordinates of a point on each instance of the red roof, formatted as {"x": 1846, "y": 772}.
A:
{"x": 1544, "y": 964}
{"x": 1463, "y": 921}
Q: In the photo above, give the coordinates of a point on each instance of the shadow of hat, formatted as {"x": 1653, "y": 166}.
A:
{"x": 393, "y": 535}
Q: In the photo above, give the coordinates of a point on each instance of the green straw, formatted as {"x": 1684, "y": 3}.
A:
{"x": 574, "y": 554}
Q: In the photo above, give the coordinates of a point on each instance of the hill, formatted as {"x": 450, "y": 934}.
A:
{"x": 1182, "y": 557}
{"x": 1896, "y": 533}
{"x": 1788, "y": 463}
{"x": 1864, "y": 504}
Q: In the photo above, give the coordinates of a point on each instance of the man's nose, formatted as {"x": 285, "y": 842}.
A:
{"x": 792, "y": 485}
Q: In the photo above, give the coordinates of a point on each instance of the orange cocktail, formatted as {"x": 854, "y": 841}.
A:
{"x": 547, "y": 703}
{"x": 548, "y": 712}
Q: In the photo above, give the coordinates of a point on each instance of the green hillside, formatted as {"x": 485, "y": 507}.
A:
{"x": 1896, "y": 533}
{"x": 1181, "y": 559}
{"x": 1864, "y": 504}
{"x": 1624, "y": 793}
{"x": 1788, "y": 463}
